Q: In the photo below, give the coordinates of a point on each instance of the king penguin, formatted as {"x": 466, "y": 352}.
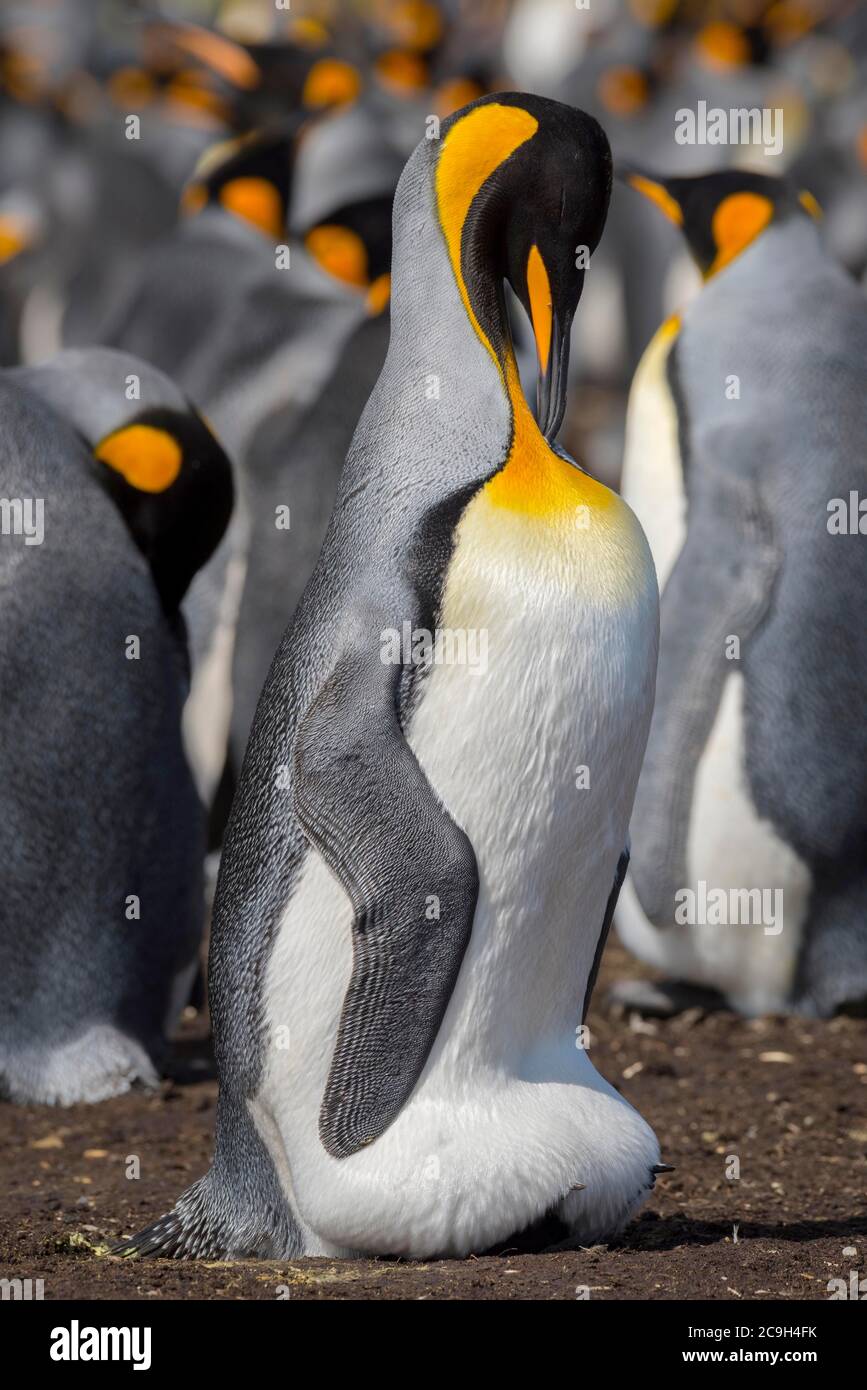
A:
{"x": 413, "y": 893}
{"x": 114, "y": 496}
{"x": 747, "y": 419}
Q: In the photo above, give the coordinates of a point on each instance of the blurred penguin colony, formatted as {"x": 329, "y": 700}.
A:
{"x": 196, "y": 214}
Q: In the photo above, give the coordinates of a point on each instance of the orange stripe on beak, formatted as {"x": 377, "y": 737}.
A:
{"x": 541, "y": 305}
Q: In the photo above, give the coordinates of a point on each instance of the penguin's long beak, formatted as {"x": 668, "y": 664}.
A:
{"x": 551, "y": 388}
{"x": 552, "y": 347}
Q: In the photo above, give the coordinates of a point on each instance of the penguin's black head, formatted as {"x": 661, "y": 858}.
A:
{"x": 522, "y": 186}
{"x": 354, "y": 245}
{"x": 255, "y": 83}
{"x": 249, "y": 177}
{"x": 172, "y": 482}
{"x": 720, "y": 214}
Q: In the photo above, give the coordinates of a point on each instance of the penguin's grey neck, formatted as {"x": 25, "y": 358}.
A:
{"x": 426, "y": 301}
{"x": 439, "y": 420}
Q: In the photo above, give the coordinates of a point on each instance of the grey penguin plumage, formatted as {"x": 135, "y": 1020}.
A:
{"x": 102, "y": 832}
{"x": 294, "y": 467}
{"x": 747, "y": 419}
{"x": 343, "y": 189}
{"x": 397, "y": 972}
{"x": 250, "y": 322}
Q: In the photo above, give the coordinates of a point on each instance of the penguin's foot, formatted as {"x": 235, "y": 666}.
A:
{"x": 100, "y": 1063}
{"x": 664, "y": 998}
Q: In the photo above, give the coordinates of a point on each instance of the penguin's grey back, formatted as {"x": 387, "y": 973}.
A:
{"x": 294, "y": 464}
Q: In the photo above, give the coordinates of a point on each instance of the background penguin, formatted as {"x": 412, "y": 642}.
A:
{"x": 411, "y": 884}
{"x": 246, "y": 337}
{"x": 293, "y": 467}
{"x": 259, "y": 82}
{"x": 747, "y": 417}
{"x": 101, "y": 832}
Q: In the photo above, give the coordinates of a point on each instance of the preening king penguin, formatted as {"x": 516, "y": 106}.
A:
{"x": 111, "y": 503}
{"x": 745, "y": 436}
{"x": 413, "y": 893}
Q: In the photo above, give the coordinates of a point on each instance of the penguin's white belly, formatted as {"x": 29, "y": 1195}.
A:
{"x": 208, "y": 709}
{"x": 509, "y": 1112}
{"x": 730, "y": 847}
{"x": 652, "y": 481}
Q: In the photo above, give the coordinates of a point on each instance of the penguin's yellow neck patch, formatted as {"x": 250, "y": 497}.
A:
{"x": 534, "y": 479}
{"x": 256, "y": 201}
{"x": 148, "y": 458}
{"x": 736, "y": 222}
{"x": 669, "y": 328}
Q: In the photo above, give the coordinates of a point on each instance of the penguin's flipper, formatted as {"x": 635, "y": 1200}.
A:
{"x": 610, "y": 906}
{"x": 411, "y": 875}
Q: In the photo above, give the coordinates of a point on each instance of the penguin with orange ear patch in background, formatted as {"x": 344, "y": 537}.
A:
{"x": 250, "y": 318}
{"x": 256, "y": 83}
{"x": 745, "y": 436}
{"x": 110, "y": 506}
{"x": 293, "y": 462}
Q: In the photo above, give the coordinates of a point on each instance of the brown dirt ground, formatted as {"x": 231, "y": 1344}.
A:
{"x": 788, "y": 1097}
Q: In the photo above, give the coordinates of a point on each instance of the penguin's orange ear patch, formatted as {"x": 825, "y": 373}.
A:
{"x": 330, "y": 82}
{"x": 736, "y": 222}
{"x": 810, "y": 204}
{"x": 14, "y": 239}
{"x": 256, "y": 201}
{"x": 657, "y": 195}
{"x": 148, "y": 458}
{"x": 404, "y": 74}
{"x": 455, "y": 93}
{"x": 723, "y": 45}
{"x": 340, "y": 252}
{"x": 623, "y": 90}
{"x": 416, "y": 23}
